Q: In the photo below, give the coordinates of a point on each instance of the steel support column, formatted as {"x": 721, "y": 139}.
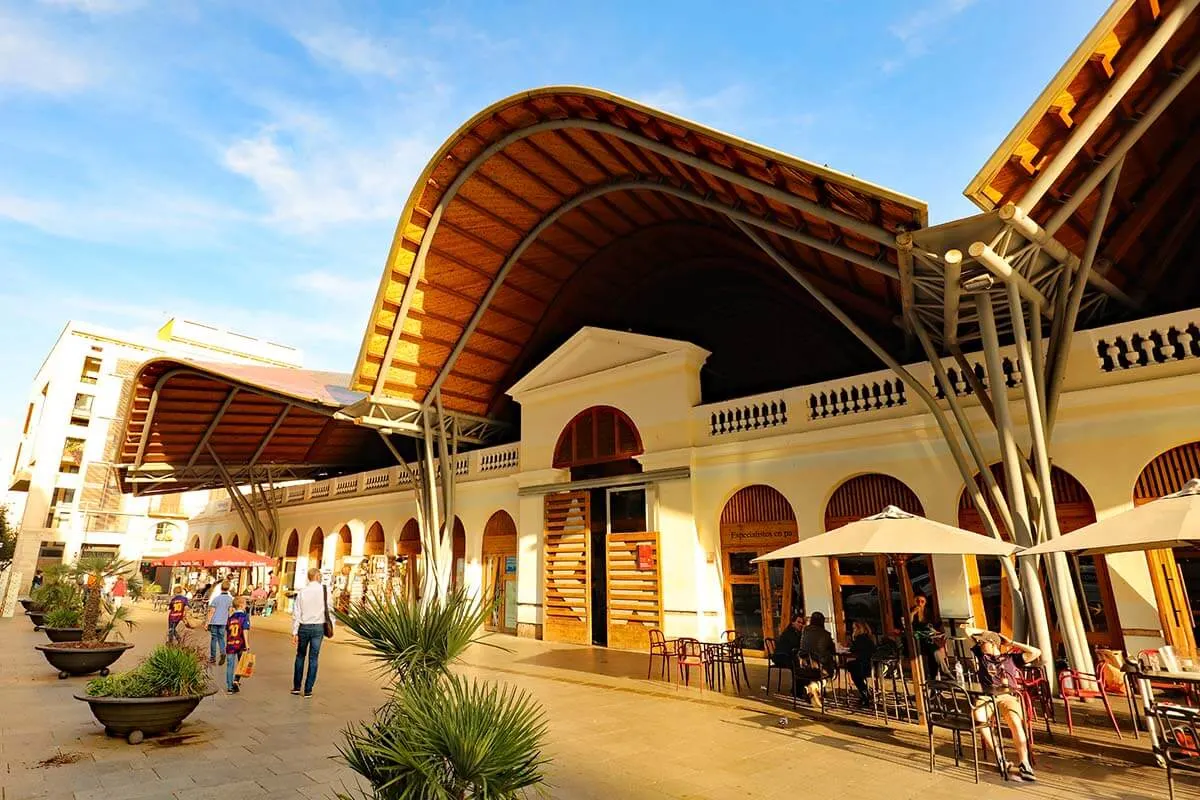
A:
{"x": 1034, "y": 601}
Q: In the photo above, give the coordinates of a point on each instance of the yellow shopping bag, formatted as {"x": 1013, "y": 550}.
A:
{"x": 245, "y": 665}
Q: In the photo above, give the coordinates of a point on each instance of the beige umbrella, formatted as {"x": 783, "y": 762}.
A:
{"x": 897, "y": 535}
{"x": 1169, "y": 521}
{"x": 894, "y": 532}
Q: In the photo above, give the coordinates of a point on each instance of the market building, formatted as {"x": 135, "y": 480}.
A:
{"x": 647, "y": 352}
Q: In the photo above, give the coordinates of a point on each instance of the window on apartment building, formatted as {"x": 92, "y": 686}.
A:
{"x": 51, "y": 551}
{"x": 164, "y": 532}
{"x": 81, "y": 413}
{"x": 17, "y": 463}
{"x": 59, "y": 514}
{"x": 28, "y": 418}
{"x": 91, "y": 370}
{"x": 72, "y": 455}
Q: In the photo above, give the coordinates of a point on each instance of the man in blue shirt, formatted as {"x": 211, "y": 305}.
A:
{"x": 218, "y": 617}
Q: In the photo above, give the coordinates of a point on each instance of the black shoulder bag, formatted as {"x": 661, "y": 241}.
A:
{"x": 328, "y": 619}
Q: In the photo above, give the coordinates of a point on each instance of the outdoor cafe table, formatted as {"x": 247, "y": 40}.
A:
{"x": 1144, "y": 678}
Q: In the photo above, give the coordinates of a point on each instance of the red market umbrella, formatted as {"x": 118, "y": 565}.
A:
{"x": 228, "y": 556}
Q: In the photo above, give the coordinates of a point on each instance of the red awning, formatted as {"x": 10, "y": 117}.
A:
{"x": 227, "y": 556}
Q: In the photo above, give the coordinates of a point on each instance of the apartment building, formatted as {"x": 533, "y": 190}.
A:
{"x": 64, "y": 465}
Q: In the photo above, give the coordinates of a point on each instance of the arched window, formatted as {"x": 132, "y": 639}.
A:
{"x": 757, "y": 520}
{"x": 500, "y": 571}
{"x": 861, "y": 583}
{"x": 293, "y": 544}
{"x": 1165, "y": 475}
{"x": 597, "y": 435}
{"x": 374, "y": 545}
{"x": 217, "y": 542}
{"x": 316, "y": 547}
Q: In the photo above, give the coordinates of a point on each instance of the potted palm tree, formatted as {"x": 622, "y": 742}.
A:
{"x": 440, "y": 734}
{"x": 93, "y": 652}
{"x": 59, "y": 589}
{"x": 154, "y": 697}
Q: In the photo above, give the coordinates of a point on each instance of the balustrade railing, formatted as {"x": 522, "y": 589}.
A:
{"x": 1175, "y": 340}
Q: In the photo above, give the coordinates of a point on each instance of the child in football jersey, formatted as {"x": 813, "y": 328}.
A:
{"x": 176, "y": 610}
{"x": 236, "y": 643}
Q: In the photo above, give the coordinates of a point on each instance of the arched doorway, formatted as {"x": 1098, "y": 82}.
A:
{"x": 1174, "y": 573}
{"x": 406, "y": 578}
{"x": 217, "y": 542}
{"x": 236, "y": 540}
{"x": 586, "y": 529}
{"x": 316, "y": 549}
{"x": 1093, "y": 588}
{"x": 344, "y": 577}
{"x": 864, "y": 588}
{"x": 194, "y": 543}
{"x": 760, "y": 599}
{"x": 375, "y": 560}
{"x": 291, "y": 551}
{"x": 500, "y": 571}
{"x": 458, "y": 551}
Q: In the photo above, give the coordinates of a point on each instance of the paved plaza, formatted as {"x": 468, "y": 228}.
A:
{"x": 612, "y": 735}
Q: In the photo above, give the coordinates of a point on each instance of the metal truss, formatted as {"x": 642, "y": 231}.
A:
{"x": 394, "y": 415}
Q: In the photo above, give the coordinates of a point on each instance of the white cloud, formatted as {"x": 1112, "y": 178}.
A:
{"x": 95, "y": 7}
{"x": 30, "y": 60}
{"x": 314, "y": 180}
{"x": 917, "y": 29}
{"x": 353, "y": 51}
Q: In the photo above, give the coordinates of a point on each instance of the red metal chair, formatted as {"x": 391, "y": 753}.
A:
{"x": 690, "y": 653}
{"x": 1081, "y": 686}
{"x": 660, "y": 647}
{"x": 1037, "y": 690}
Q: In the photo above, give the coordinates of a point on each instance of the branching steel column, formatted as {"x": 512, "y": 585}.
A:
{"x": 1034, "y": 601}
{"x": 1061, "y": 583}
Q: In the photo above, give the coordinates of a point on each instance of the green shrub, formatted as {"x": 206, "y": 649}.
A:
{"x": 64, "y": 617}
{"x": 441, "y": 736}
{"x": 168, "y": 671}
{"x": 150, "y": 589}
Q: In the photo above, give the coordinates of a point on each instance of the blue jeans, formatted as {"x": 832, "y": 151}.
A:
{"x": 216, "y": 641}
{"x": 230, "y": 666}
{"x": 310, "y": 638}
{"x": 173, "y": 631}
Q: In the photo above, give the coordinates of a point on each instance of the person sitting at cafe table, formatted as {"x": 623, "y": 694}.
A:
{"x": 817, "y": 645}
{"x": 862, "y": 648}
{"x": 999, "y": 661}
{"x": 788, "y": 643}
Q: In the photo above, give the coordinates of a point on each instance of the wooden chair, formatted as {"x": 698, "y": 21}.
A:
{"x": 1178, "y": 740}
{"x": 690, "y": 653}
{"x": 660, "y": 647}
{"x": 948, "y": 706}
{"x": 1081, "y": 686}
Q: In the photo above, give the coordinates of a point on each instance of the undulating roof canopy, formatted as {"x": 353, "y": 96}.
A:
{"x": 1151, "y": 236}
{"x": 185, "y": 417}
{"x": 565, "y": 207}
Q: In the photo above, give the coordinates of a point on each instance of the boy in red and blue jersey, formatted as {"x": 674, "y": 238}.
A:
{"x": 236, "y": 643}
{"x": 176, "y": 610}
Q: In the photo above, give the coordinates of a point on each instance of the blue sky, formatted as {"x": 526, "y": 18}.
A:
{"x": 244, "y": 164}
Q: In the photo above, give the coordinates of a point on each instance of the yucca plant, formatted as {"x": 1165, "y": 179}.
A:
{"x": 59, "y": 589}
{"x": 93, "y": 571}
{"x": 64, "y": 617}
{"x": 169, "y": 671}
{"x": 441, "y": 736}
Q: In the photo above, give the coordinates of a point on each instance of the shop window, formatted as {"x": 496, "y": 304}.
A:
{"x": 91, "y": 371}
{"x": 81, "y": 413}
{"x": 72, "y": 455}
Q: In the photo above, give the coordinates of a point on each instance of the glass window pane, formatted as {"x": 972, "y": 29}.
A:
{"x": 797, "y": 589}
{"x": 991, "y": 587}
{"x": 628, "y": 509}
{"x": 861, "y": 604}
{"x": 747, "y": 613}
{"x": 1091, "y": 604}
{"x": 856, "y": 565}
{"x": 775, "y": 570}
{"x": 739, "y": 564}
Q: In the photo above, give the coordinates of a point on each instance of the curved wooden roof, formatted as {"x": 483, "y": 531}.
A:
{"x": 1152, "y": 224}
{"x": 542, "y": 183}
{"x": 251, "y": 417}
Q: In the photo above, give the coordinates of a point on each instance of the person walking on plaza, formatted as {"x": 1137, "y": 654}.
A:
{"x": 119, "y": 590}
{"x": 999, "y": 661}
{"x": 310, "y": 615}
{"x": 37, "y": 580}
{"x": 176, "y": 611}
{"x": 236, "y": 643}
{"x": 218, "y": 616}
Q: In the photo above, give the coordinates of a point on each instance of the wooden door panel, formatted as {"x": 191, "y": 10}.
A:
{"x": 567, "y": 569}
{"x": 634, "y": 594}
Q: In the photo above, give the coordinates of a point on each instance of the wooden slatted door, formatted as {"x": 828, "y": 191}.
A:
{"x": 634, "y": 589}
{"x": 566, "y": 606}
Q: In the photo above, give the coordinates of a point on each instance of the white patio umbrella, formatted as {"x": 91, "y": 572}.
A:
{"x": 898, "y": 535}
{"x": 1170, "y": 521}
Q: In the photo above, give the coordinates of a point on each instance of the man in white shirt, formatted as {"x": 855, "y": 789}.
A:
{"x": 309, "y": 612}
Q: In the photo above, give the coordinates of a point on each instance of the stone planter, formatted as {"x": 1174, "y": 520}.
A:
{"x": 65, "y": 634}
{"x": 38, "y": 618}
{"x": 82, "y": 661}
{"x": 137, "y": 717}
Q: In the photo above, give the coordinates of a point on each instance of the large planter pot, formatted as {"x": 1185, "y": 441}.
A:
{"x": 136, "y": 717}
{"x": 29, "y": 605}
{"x": 82, "y": 661}
{"x": 65, "y": 634}
{"x": 38, "y": 618}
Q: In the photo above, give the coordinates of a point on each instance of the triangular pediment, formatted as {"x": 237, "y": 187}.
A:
{"x": 597, "y": 350}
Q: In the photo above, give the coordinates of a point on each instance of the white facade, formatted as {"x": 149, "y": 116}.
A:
{"x": 1130, "y": 396}
{"x": 70, "y": 433}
